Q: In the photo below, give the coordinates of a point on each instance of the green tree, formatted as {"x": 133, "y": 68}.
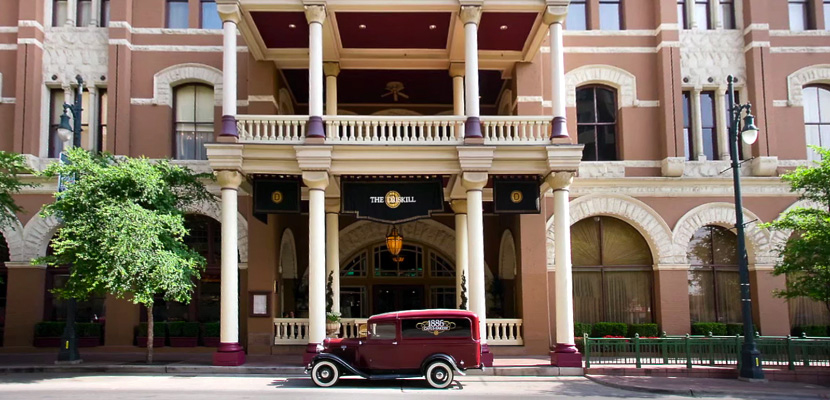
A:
{"x": 806, "y": 257}
{"x": 12, "y": 165}
{"x": 123, "y": 229}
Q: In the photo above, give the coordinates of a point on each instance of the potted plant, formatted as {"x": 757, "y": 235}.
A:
{"x": 332, "y": 323}
{"x": 210, "y": 334}
{"x": 159, "y": 332}
{"x": 183, "y": 334}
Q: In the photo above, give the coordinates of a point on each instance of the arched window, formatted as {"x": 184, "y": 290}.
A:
{"x": 612, "y": 276}
{"x": 714, "y": 290}
{"x": 194, "y": 107}
{"x": 596, "y": 122}
{"x": 803, "y": 310}
{"x": 817, "y": 118}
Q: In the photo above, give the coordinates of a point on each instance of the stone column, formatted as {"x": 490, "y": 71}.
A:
{"x": 565, "y": 353}
{"x": 91, "y": 113}
{"x": 697, "y": 127}
{"x": 333, "y": 249}
{"x": 671, "y": 290}
{"x": 229, "y": 351}
{"x": 723, "y": 127}
{"x": 470, "y": 16}
{"x": 770, "y": 313}
{"x": 462, "y": 268}
{"x": 71, "y": 13}
{"x": 317, "y": 181}
{"x": 95, "y": 14}
{"x": 555, "y": 16}
{"x": 230, "y": 19}
{"x": 331, "y": 70}
{"x": 457, "y": 74}
{"x": 24, "y": 302}
{"x": 315, "y": 15}
{"x": 474, "y": 182}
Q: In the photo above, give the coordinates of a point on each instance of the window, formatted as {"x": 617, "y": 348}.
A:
{"x": 609, "y": 15}
{"x": 105, "y": 13}
{"x": 56, "y": 101}
{"x": 424, "y": 328}
{"x": 817, "y": 118}
{"x": 210, "y": 17}
{"x": 353, "y": 302}
{"x": 714, "y": 290}
{"x": 612, "y": 272}
{"x": 727, "y": 13}
{"x": 60, "y": 12}
{"x": 687, "y": 126}
{"x": 84, "y": 10}
{"x": 408, "y": 263}
{"x": 177, "y": 14}
{"x": 443, "y": 297}
{"x": 708, "y": 125}
{"x": 799, "y": 15}
{"x": 681, "y": 14}
{"x": 702, "y": 19}
{"x": 356, "y": 267}
{"x": 100, "y": 143}
{"x": 439, "y": 267}
{"x": 194, "y": 121}
{"x": 577, "y": 16}
{"x": 385, "y": 331}
{"x": 596, "y": 121}
{"x": 826, "y": 6}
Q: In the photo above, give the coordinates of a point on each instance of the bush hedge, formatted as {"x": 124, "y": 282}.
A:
{"x": 704, "y": 328}
{"x": 602, "y": 329}
{"x": 159, "y": 329}
{"x": 210, "y": 329}
{"x": 55, "y": 329}
{"x": 581, "y": 328}
{"x": 734, "y": 329}
{"x": 644, "y": 330}
{"x": 183, "y": 329}
{"x": 811, "y": 330}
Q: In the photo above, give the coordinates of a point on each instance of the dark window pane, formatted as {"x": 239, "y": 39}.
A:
{"x": 701, "y": 296}
{"x": 105, "y": 13}
{"x": 84, "y": 12}
{"x": 609, "y": 16}
{"x": 576, "y": 20}
{"x": 177, "y": 14}
{"x": 586, "y": 134}
{"x": 699, "y": 250}
{"x": 607, "y": 146}
{"x": 728, "y": 14}
{"x": 687, "y": 125}
{"x": 798, "y": 15}
{"x": 707, "y": 113}
{"x": 585, "y": 106}
{"x": 606, "y": 109}
{"x": 210, "y": 18}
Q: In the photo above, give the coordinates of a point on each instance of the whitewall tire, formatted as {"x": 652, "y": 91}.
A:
{"x": 439, "y": 374}
{"x": 325, "y": 373}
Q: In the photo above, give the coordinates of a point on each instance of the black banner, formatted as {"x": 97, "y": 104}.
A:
{"x": 392, "y": 202}
{"x": 272, "y": 196}
{"x": 515, "y": 196}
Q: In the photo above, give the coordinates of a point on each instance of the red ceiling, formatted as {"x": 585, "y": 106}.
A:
{"x": 276, "y": 30}
{"x": 393, "y": 30}
{"x": 492, "y": 37}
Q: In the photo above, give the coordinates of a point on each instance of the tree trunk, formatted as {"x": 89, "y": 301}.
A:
{"x": 150, "y": 333}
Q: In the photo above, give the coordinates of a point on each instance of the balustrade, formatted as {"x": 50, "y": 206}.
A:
{"x": 515, "y": 129}
{"x": 272, "y": 128}
{"x": 394, "y": 129}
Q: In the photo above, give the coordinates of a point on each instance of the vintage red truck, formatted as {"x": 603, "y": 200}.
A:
{"x": 435, "y": 344}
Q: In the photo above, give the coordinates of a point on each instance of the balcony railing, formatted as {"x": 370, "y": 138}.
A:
{"x": 394, "y": 130}
{"x": 294, "y": 331}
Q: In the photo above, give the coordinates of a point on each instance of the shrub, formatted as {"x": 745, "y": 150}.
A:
{"x": 581, "y": 328}
{"x": 210, "y": 329}
{"x": 811, "y": 330}
{"x": 703, "y": 328}
{"x": 159, "y": 329}
{"x": 55, "y": 329}
{"x": 644, "y": 330}
{"x": 734, "y": 329}
{"x": 183, "y": 329}
{"x": 88, "y": 329}
{"x": 602, "y": 329}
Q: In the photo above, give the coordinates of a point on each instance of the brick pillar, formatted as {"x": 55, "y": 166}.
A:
{"x": 671, "y": 290}
{"x": 24, "y": 302}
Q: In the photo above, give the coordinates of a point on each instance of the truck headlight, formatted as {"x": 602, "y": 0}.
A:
{"x": 319, "y": 347}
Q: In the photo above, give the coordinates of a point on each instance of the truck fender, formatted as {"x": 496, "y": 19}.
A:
{"x": 337, "y": 361}
{"x": 443, "y": 357}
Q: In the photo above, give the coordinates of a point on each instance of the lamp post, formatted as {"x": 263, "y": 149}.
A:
{"x": 69, "y": 340}
{"x": 750, "y": 356}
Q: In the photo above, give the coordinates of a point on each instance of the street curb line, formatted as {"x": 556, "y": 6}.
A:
{"x": 690, "y": 392}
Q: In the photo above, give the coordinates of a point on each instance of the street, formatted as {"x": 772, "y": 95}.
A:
{"x": 127, "y": 387}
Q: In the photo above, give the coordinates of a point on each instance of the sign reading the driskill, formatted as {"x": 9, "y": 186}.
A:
{"x": 392, "y": 201}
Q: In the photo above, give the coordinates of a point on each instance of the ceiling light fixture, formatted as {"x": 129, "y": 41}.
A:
{"x": 503, "y": 27}
{"x": 361, "y": 26}
{"x": 432, "y": 27}
{"x": 292, "y": 26}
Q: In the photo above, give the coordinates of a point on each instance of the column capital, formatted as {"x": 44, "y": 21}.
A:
{"x": 474, "y": 180}
{"x": 332, "y": 205}
{"x": 459, "y": 206}
{"x": 316, "y": 179}
{"x": 331, "y": 68}
{"x": 228, "y": 179}
{"x": 560, "y": 180}
{"x": 229, "y": 11}
{"x": 470, "y": 14}
{"x": 315, "y": 13}
{"x": 456, "y": 69}
{"x": 556, "y": 11}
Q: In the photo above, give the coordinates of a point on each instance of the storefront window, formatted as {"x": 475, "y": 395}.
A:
{"x": 714, "y": 290}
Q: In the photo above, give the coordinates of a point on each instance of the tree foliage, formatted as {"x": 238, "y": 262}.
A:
{"x": 12, "y": 165}
{"x": 806, "y": 257}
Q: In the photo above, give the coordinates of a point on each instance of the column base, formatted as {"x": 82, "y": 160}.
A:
{"x": 472, "y": 128}
{"x": 310, "y": 353}
{"x": 315, "y": 128}
{"x": 559, "y": 128}
{"x": 229, "y": 126}
{"x": 486, "y": 356}
{"x": 566, "y": 355}
{"x": 229, "y": 355}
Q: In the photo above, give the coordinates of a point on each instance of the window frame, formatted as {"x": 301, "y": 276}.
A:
{"x": 818, "y": 124}
{"x": 105, "y": 14}
{"x": 584, "y": 4}
{"x": 705, "y": 126}
{"x": 202, "y": 15}
{"x": 806, "y": 15}
{"x": 709, "y": 25}
{"x": 195, "y": 124}
{"x": 620, "y": 19}
{"x": 596, "y": 122}
{"x": 732, "y": 23}
{"x": 682, "y": 15}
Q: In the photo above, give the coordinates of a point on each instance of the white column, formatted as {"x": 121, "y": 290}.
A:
{"x": 317, "y": 181}
{"x": 315, "y": 15}
{"x": 229, "y": 93}
{"x": 71, "y": 12}
{"x": 474, "y": 182}
{"x": 95, "y": 17}
{"x": 697, "y": 127}
{"x": 331, "y": 70}
{"x": 91, "y": 113}
{"x": 333, "y": 249}
{"x": 461, "y": 252}
{"x": 229, "y": 181}
{"x": 720, "y": 117}
{"x": 457, "y": 74}
{"x": 555, "y": 16}
{"x": 470, "y": 16}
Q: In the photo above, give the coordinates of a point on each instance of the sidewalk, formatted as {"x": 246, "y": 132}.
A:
{"x": 699, "y": 387}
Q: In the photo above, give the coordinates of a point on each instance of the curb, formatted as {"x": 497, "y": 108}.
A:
{"x": 695, "y": 393}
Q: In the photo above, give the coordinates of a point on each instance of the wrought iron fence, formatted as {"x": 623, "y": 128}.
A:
{"x": 708, "y": 350}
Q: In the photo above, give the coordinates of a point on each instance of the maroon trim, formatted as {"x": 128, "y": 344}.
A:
{"x": 565, "y": 348}
{"x": 229, "y": 347}
{"x": 229, "y": 126}
{"x": 229, "y": 354}
{"x": 568, "y": 359}
{"x": 472, "y": 128}
{"x": 310, "y": 353}
{"x": 486, "y": 356}
{"x": 559, "y": 128}
{"x": 315, "y": 127}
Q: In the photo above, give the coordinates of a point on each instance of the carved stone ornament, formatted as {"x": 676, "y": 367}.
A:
{"x": 470, "y": 14}
{"x": 712, "y": 54}
{"x": 68, "y": 52}
{"x": 315, "y": 14}
{"x": 560, "y": 180}
{"x": 805, "y": 76}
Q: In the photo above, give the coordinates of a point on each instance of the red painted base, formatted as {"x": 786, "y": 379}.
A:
{"x": 229, "y": 355}
{"x": 566, "y": 355}
{"x": 310, "y": 353}
{"x": 486, "y": 356}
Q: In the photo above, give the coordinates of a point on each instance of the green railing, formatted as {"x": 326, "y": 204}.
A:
{"x": 709, "y": 350}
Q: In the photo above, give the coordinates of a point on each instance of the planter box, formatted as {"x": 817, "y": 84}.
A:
{"x": 210, "y": 341}
{"x": 184, "y": 341}
{"x": 157, "y": 341}
{"x": 56, "y": 341}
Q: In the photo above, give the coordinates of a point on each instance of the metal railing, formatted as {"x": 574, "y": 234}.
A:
{"x": 710, "y": 350}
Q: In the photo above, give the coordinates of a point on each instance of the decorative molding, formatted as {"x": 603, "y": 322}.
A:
{"x": 623, "y": 81}
{"x": 780, "y": 103}
{"x": 711, "y": 54}
{"x": 722, "y": 214}
{"x": 37, "y": 235}
{"x": 602, "y": 169}
{"x": 796, "y": 81}
{"x": 680, "y": 187}
{"x": 166, "y": 79}
{"x": 712, "y": 169}
{"x": 800, "y": 49}
{"x": 807, "y": 33}
{"x": 214, "y": 210}
{"x": 13, "y": 233}
{"x": 68, "y": 52}
{"x": 507, "y": 256}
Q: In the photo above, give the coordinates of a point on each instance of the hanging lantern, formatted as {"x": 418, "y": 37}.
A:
{"x": 394, "y": 241}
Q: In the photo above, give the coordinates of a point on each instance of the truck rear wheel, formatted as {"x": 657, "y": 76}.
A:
{"x": 325, "y": 373}
{"x": 439, "y": 374}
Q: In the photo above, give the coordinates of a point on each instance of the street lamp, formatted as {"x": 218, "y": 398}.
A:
{"x": 750, "y": 356}
{"x": 69, "y": 340}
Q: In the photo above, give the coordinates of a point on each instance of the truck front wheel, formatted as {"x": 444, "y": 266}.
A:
{"x": 325, "y": 373}
{"x": 439, "y": 374}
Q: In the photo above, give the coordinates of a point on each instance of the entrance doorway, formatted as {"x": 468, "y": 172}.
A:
{"x": 387, "y": 298}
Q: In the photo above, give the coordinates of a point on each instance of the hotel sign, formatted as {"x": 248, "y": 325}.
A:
{"x": 512, "y": 196}
{"x": 274, "y": 196}
{"x": 392, "y": 202}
